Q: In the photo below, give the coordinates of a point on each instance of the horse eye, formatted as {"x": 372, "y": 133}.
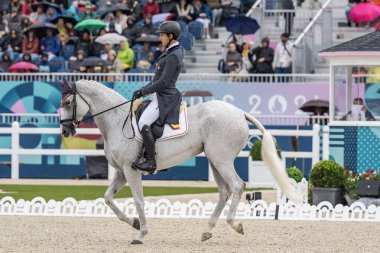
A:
{"x": 67, "y": 103}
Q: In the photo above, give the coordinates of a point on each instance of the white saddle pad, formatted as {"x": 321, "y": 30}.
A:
{"x": 169, "y": 132}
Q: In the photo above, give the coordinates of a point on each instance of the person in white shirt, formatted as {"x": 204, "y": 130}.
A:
{"x": 282, "y": 62}
{"x": 359, "y": 112}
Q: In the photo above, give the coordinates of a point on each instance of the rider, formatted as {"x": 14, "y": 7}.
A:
{"x": 165, "y": 98}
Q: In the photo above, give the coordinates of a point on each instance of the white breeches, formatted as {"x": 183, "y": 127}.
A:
{"x": 205, "y": 22}
{"x": 151, "y": 113}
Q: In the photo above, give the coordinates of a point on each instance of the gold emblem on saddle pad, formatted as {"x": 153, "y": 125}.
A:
{"x": 175, "y": 126}
{"x": 158, "y": 66}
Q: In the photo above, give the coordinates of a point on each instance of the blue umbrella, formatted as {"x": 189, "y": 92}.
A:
{"x": 241, "y": 24}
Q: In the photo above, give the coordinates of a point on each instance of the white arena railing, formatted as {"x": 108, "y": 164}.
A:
{"x": 15, "y": 151}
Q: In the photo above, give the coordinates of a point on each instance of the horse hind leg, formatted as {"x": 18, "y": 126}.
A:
{"x": 224, "y": 195}
{"x": 237, "y": 185}
{"x": 116, "y": 185}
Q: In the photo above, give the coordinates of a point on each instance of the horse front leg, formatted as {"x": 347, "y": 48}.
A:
{"x": 116, "y": 185}
{"x": 135, "y": 183}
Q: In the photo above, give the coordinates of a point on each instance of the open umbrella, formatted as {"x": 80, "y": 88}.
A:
{"x": 112, "y": 38}
{"x": 40, "y": 29}
{"x": 241, "y": 24}
{"x": 312, "y": 105}
{"x": 66, "y": 19}
{"x": 364, "y": 12}
{"x": 90, "y": 24}
{"x": 22, "y": 65}
{"x": 45, "y": 6}
{"x": 116, "y": 7}
{"x": 148, "y": 38}
{"x": 93, "y": 61}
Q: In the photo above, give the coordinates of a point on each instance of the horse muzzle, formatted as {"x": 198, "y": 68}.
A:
{"x": 68, "y": 130}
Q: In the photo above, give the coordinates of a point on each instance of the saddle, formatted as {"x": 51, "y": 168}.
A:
{"x": 158, "y": 131}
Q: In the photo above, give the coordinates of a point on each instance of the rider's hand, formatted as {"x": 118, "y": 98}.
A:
{"x": 137, "y": 94}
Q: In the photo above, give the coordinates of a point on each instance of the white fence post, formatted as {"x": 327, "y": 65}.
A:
{"x": 315, "y": 145}
{"x": 15, "y": 148}
{"x": 326, "y": 143}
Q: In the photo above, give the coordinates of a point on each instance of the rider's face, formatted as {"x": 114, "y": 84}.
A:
{"x": 164, "y": 39}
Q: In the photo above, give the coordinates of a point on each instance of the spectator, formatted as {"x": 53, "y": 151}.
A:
{"x": 147, "y": 56}
{"x": 25, "y": 23}
{"x": 229, "y": 8}
{"x": 39, "y": 16}
{"x": 359, "y": 111}
{"x": 44, "y": 65}
{"x": 150, "y": 7}
{"x": 233, "y": 59}
{"x": 135, "y": 9}
{"x": 147, "y": 28}
{"x": 87, "y": 13}
{"x": 126, "y": 55}
{"x": 110, "y": 22}
{"x": 168, "y": 6}
{"x": 27, "y": 57}
{"x": 15, "y": 6}
{"x": 103, "y": 31}
{"x": 30, "y": 43}
{"x": 283, "y": 56}
{"x": 26, "y": 8}
{"x": 61, "y": 28}
{"x": 245, "y": 55}
{"x": 107, "y": 48}
{"x": 115, "y": 65}
{"x": 13, "y": 43}
{"x": 84, "y": 42}
{"x": 5, "y": 62}
{"x": 216, "y": 8}
{"x": 262, "y": 58}
{"x": 75, "y": 63}
{"x": 202, "y": 13}
{"x": 289, "y": 14}
{"x": 50, "y": 44}
{"x": 121, "y": 19}
{"x": 14, "y": 20}
{"x": 131, "y": 31}
{"x": 184, "y": 11}
{"x": 70, "y": 29}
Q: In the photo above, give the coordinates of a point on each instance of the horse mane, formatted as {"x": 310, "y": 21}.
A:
{"x": 86, "y": 84}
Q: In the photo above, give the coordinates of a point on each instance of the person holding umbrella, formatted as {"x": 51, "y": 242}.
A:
{"x": 50, "y": 45}
{"x": 165, "y": 97}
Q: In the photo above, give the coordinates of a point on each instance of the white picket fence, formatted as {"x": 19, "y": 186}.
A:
{"x": 195, "y": 208}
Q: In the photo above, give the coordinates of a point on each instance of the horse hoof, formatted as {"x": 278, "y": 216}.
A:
{"x": 240, "y": 229}
{"x": 135, "y": 242}
{"x": 136, "y": 224}
{"x": 206, "y": 236}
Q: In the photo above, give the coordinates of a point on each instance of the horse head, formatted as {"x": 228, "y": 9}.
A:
{"x": 73, "y": 108}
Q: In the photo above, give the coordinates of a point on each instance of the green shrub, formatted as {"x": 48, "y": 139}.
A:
{"x": 295, "y": 173}
{"x": 256, "y": 151}
{"x": 327, "y": 174}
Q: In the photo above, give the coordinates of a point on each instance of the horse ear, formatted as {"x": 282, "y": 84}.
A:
{"x": 66, "y": 87}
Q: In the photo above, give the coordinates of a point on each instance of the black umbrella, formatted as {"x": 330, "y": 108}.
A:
{"x": 117, "y": 7}
{"x": 66, "y": 19}
{"x": 312, "y": 105}
{"x": 148, "y": 38}
{"x": 241, "y": 24}
{"x": 93, "y": 61}
{"x": 45, "y": 6}
{"x": 40, "y": 29}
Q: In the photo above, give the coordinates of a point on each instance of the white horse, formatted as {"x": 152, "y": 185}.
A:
{"x": 216, "y": 128}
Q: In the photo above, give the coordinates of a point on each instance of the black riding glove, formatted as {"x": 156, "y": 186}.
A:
{"x": 137, "y": 94}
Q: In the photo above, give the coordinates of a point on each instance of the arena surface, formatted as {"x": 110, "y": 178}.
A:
{"x": 69, "y": 234}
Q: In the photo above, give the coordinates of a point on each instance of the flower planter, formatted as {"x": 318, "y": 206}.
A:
{"x": 349, "y": 200}
{"x": 332, "y": 195}
{"x": 259, "y": 176}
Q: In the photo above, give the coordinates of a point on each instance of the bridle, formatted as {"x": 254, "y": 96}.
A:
{"x": 74, "y": 122}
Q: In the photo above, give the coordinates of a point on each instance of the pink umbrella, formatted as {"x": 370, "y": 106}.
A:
{"x": 22, "y": 65}
{"x": 364, "y": 12}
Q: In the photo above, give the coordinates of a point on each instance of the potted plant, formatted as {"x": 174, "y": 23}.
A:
{"x": 351, "y": 183}
{"x": 258, "y": 175}
{"x": 295, "y": 173}
{"x": 327, "y": 179}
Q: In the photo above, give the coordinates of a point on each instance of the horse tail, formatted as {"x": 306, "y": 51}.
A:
{"x": 272, "y": 161}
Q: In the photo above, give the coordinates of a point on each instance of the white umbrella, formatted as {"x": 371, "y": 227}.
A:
{"x": 112, "y": 38}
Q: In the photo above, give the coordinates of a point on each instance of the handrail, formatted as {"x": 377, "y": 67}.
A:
{"x": 310, "y": 25}
{"x": 254, "y": 6}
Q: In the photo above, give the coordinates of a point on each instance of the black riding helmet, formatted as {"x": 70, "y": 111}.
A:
{"x": 170, "y": 27}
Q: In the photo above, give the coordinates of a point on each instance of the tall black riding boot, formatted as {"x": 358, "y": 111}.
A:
{"x": 150, "y": 151}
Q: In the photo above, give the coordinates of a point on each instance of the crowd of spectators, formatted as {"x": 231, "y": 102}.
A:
{"x": 44, "y": 32}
